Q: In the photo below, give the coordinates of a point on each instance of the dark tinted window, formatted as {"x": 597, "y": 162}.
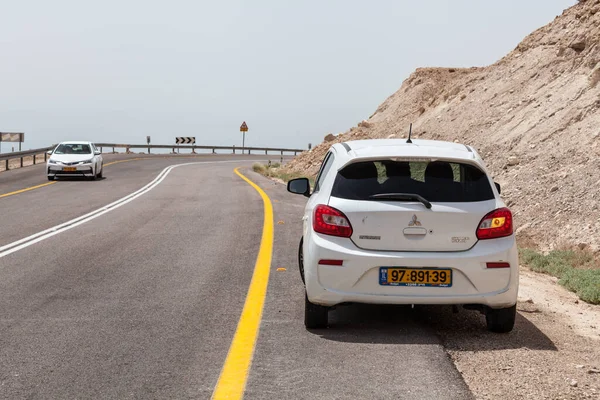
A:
{"x": 437, "y": 181}
{"x": 73, "y": 149}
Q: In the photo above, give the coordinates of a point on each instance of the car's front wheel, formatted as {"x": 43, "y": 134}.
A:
{"x": 50, "y": 178}
{"x": 100, "y": 175}
{"x": 501, "y": 320}
{"x": 315, "y": 316}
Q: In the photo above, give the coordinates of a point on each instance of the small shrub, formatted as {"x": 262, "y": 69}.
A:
{"x": 576, "y": 270}
{"x": 584, "y": 282}
{"x": 275, "y": 171}
{"x": 261, "y": 169}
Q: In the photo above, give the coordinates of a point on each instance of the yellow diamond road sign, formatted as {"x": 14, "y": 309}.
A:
{"x": 244, "y": 127}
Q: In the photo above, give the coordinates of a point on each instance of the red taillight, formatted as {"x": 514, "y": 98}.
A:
{"x": 497, "y": 265}
{"x": 495, "y": 225}
{"x": 329, "y": 221}
{"x": 335, "y": 263}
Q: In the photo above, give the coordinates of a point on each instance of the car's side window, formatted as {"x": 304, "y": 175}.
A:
{"x": 327, "y": 163}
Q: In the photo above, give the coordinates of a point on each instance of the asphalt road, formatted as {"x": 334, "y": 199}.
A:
{"x": 143, "y": 301}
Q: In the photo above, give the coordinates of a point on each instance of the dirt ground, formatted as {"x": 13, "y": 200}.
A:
{"x": 553, "y": 352}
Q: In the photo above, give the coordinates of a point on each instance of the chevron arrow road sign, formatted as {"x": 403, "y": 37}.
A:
{"x": 185, "y": 140}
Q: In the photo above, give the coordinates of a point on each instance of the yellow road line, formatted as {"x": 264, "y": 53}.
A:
{"x": 122, "y": 161}
{"x": 232, "y": 381}
{"x": 26, "y": 189}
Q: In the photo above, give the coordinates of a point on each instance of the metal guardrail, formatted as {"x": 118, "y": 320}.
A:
{"x": 233, "y": 149}
{"x": 22, "y": 154}
{"x": 35, "y": 152}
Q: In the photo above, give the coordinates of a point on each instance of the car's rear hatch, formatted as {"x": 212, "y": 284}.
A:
{"x": 413, "y": 206}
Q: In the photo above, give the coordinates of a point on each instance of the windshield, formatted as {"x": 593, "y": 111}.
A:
{"x": 73, "y": 149}
{"x": 436, "y": 181}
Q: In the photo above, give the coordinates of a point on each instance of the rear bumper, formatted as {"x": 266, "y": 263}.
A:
{"x": 357, "y": 281}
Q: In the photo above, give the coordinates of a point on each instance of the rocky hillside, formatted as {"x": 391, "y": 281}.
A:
{"x": 534, "y": 116}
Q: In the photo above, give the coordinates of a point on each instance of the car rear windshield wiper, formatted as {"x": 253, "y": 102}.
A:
{"x": 401, "y": 197}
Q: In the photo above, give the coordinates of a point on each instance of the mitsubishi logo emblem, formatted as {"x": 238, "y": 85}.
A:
{"x": 414, "y": 221}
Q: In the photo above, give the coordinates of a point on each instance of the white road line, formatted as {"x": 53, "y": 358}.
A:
{"x": 38, "y": 237}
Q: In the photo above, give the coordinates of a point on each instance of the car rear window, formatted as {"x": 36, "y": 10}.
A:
{"x": 437, "y": 181}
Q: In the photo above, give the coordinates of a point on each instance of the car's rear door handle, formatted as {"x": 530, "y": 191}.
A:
{"x": 415, "y": 231}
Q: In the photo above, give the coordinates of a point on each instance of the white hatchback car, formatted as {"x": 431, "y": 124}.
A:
{"x": 75, "y": 159}
{"x": 392, "y": 222}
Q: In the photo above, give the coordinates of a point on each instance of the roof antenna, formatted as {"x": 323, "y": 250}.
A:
{"x": 409, "y": 134}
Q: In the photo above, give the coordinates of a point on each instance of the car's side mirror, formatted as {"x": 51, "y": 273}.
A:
{"x": 97, "y": 152}
{"x": 299, "y": 186}
{"x": 498, "y": 187}
{"x": 49, "y": 152}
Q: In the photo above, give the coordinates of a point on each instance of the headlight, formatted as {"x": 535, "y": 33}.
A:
{"x": 52, "y": 162}
{"x": 87, "y": 162}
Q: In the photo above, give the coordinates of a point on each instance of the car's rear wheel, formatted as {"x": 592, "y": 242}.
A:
{"x": 315, "y": 316}
{"x": 501, "y": 320}
{"x": 301, "y": 259}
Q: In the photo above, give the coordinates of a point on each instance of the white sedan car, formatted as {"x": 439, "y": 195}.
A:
{"x": 393, "y": 222}
{"x": 75, "y": 159}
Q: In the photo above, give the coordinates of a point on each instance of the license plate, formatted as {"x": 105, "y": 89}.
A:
{"x": 69, "y": 169}
{"x": 397, "y": 276}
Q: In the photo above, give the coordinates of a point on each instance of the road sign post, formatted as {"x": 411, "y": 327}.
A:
{"x": 244, "y": 129}
{"x": 148, "y": 141}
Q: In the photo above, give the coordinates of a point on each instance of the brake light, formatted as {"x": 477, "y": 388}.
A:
{"x": 329, "y": 221}
{"x": 497, "y": 224}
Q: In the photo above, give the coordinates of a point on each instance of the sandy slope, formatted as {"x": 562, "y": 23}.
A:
{"x": 538, "y": 107}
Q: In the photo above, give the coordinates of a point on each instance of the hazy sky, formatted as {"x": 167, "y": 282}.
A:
{"x": 120, "y": 70}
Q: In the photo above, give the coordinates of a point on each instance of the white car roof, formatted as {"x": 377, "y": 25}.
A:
{"x": 383, "y": 148}
{"x": 76, "y": 142}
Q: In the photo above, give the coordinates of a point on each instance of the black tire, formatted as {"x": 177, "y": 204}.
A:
{"x": 501, "y": 320}
{"x": 101, "y": 174}
{"x": 94, "y": 176}
{"x": 301, "y": 259}
{"x": 50, "y": 178}
{"x": 315, "y": 316}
